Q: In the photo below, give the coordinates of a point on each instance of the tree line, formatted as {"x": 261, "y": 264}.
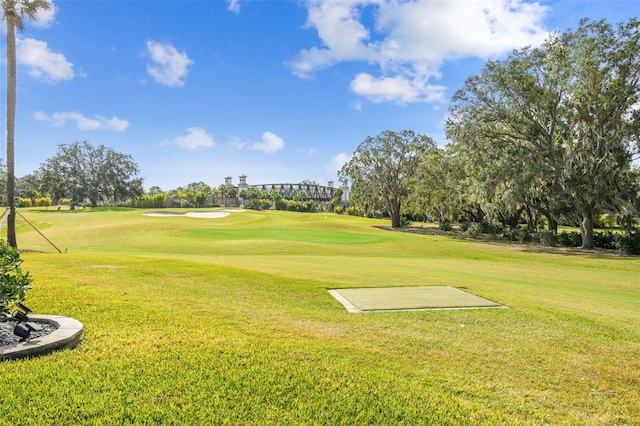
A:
{"x": 544, "y": 137}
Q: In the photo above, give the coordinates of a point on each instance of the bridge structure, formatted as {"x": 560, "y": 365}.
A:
{"x": 312, "y": 190}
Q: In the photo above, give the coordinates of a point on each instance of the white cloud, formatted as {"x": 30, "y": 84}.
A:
{"x": 397, "y": 89}
{"x": 410, "y": 41}
{"x": 336, "y": 163}
{"x": 43, "y": 64}
{"x": 307, "y": 152}
{"x": 234, "y": 6}
{"x": 58, "y": 119}
{"x": 45, "y": 18}
{"x": 236, "y": 143}
{"x": 343, "y": 37}
{"x": 196, "y": 139}
{"x": 270, "y": 143}
{"x": 169, "y": 67}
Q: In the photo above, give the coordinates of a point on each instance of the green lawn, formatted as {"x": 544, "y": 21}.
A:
{"x": 228, "y": 321}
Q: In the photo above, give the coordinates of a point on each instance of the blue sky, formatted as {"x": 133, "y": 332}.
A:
{"x": 281, "y": 91}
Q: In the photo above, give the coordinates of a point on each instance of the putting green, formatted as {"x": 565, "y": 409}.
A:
{"x": 409, "y": 298}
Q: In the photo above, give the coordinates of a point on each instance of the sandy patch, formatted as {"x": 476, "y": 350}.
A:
{"x": 201, "y": 215}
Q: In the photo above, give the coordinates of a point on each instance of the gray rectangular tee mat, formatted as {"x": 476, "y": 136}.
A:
{"x": 409, "y": 298}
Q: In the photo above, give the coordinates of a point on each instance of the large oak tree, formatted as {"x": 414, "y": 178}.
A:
{"x": 382, "y": 169}
{"x": 82, "y": 171}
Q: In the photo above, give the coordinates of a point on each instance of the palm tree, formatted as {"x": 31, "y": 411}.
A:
{"x": 13, "y": 11}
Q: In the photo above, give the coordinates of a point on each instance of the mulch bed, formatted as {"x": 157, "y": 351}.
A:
{"x": 8, "y": 338}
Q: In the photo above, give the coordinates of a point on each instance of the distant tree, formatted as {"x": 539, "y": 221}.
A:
{"x": 382, "y": 169}
{"x": 251, "y": 198}
{"x": 155, "y": 190}
{"x": 337, "y": 198}
{"x": 82, "y": 171}
{"x": 196, "y": 186}
{"x": 3, "y": 183}
{"x": 278, "y": 201}
{"x": 13, "y": 11}
{"x": 29, "y": 186}
{"x": 222, "y": 190}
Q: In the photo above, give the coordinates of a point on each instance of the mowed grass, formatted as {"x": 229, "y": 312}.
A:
{"x": 228, "y": 321}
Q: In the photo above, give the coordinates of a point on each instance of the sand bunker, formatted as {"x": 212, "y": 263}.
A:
{"x": 202, "y": 215}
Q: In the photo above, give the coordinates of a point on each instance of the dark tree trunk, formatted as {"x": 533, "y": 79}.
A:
{"x": 586, "y": 227}
{"x": 11, "y": 118}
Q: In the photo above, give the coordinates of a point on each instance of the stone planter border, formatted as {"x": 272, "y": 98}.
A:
{"x": 66, "y": 336}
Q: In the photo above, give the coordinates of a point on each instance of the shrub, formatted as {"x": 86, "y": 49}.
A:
{"x": 489, "y": 227}
{"x": 628, "y": 243}
{"x": 280, "y": 204}
{"x": 405, "y": 221}
{"x": 14, "y": 283}
{"x": 473, "y": 229}
{"x": 605, "y": 240}
{"x": 24, "y": 202}
{"x": 264, "y": 204}
{"x": 570, "y": 239}
{"x": 547, "y": 238}
{"x": 521, "y": 235}
{"x": 510, "y": 233}
{"x": 153, "y": 200}
{"x": 445, "y": 225}
{"x": 352, "y": 211}
{"x": 338, "y": 209}
{"x": 43, "y": 201}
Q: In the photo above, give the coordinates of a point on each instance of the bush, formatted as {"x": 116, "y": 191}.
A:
{"x": 570, "y": 239}
{"x": 445, "y": 225}
{"x": 518, "y": 234}
{"x": 352, "y": 211}
{"x": 153, "y": 200}
{"x": 265, "y": 204}
{"x": 473, "y": 229}
{"x": 405, "y": 221}
{"x": 338, "y": 210}
{"x": 24, "y": 202}
{"x": 510, "y": 233}
{"x": 280, "y": 204}
{"x": 43, "y": 201}
{"x": 489, "y": 227}
{"x": 628, "y": 243}
{"x": 605, "y": 240}
{"x": 14, "y": 283}
{"x": 547, "y": 238}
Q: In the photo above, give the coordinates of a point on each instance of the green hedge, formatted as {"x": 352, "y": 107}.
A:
{"x": 628, "y": 243}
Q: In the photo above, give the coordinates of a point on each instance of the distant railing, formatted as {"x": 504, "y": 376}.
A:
{"x": 289, "y": 190}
